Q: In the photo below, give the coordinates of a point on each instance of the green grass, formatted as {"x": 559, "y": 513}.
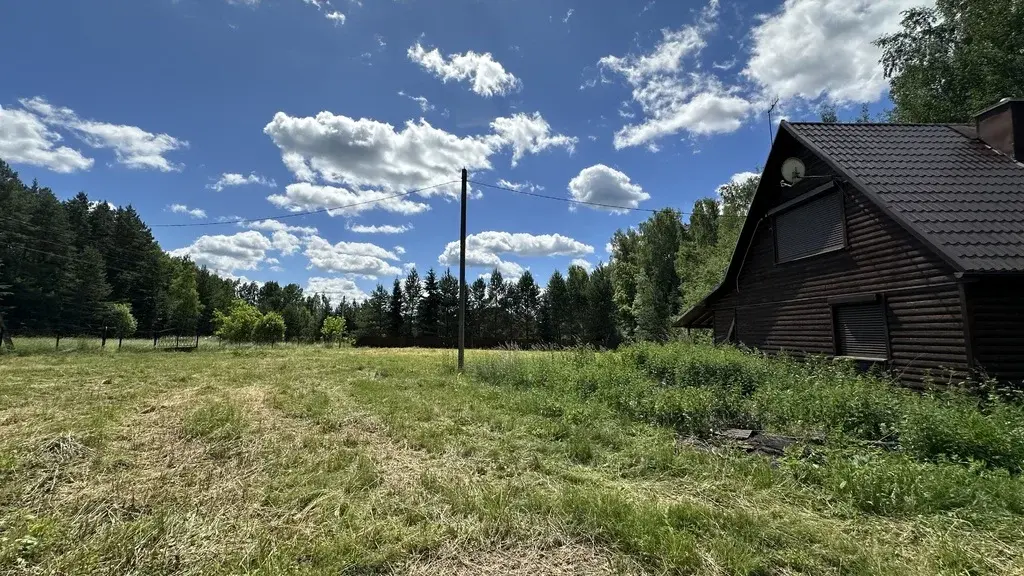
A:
{"x": 315, "y": 460}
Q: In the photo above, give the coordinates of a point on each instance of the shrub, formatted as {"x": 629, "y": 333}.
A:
{"x": 333, "y": 328}
{"x": 951, "y": 426}
{"x": 239, "y": 324}
{"x": 270, "y": 329}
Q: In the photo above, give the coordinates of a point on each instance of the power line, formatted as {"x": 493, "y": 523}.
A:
{"x": 569, "y": 200}
{"x": 307, "y": 213}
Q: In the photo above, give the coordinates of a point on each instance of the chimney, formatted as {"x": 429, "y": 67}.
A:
{"x": 1002, "y": 127}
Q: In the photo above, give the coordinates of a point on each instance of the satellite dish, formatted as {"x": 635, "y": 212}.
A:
{"x": 793, "y": 170}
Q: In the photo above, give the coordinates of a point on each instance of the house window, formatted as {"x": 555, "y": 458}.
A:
{"x": 812, "y": 228}
{"x": 861, "y": 331}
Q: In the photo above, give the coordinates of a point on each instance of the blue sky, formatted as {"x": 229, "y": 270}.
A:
{"x": 195, "y": 111}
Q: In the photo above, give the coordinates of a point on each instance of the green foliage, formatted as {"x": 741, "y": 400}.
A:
{"x": 651, "y": 310}
{"x": 333, "y": 328}
{"x": 183, "y": 305}
{"x": 270, "y": 329}
{"x": 239, "y": 324}
{"x": 696, "y": 388}
{"x": 122, "y": 320}
{"x": 952, "y": 60}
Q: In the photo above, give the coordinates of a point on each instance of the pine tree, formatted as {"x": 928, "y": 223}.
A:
{"x": 395, "y": 311}
{"x": 556, "y": 296}
{"x": 599, "y": 320}
{"x": 88, "y": 308}
{"x": 373, "y": 317}
{"x": 496, "y": 315}
{"x": 410, "y": 307}
{"x": 428, "y": 314}
{"x": 449, "y": 315}
{"x": 476, "y": 302}
{"x": 527, "y": 306}
{"x": 576, "y": 289}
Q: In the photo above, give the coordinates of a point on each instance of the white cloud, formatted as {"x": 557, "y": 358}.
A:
{"x": 337, "y": 17}
{"x": 303, "y": 196}
{"x": 226, "y": 254}
{"x": 132, "y": 146}
{"x": 485, "y": 250}
{"x": 604, "y": 185}
{"x": 408, "y": 266}
{"x": 568, "y": 15}
{"x": 367, "y": 153}
{"x": 530, "y": 134}
{"x": 275, "y": 226}
{"x": 425, "y": 105}
{"x": 354, "y": 258}
{"x": 488, "y": 76}
{"x": 385, "y": 229}
{"x": 672, "y": 98}
{"x": 286, "y": 242}
{"x": 585, "y": 264}
{"x": 231, "y": 179}
{"x": 812, "y": 48}
{"x": 517, "y": 186}
{"x": 24, "y": 139}
{"x": 336, "y": 288}
{"x": 182, "y": 209}
{"x": 94, "y": 203}
{"x": 608, "y": 248}
{"x": 399, "y": 250}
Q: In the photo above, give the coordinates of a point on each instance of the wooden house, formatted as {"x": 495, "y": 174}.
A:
{"x": 891, "y": 243}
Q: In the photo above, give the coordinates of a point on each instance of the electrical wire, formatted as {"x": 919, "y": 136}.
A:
{"x": 306, "y": 213}
{"x": 569, "y": 200}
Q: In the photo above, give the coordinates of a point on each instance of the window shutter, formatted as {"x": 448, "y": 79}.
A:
{"x": 861, "y": 331}
{"x": 811, "y": 228}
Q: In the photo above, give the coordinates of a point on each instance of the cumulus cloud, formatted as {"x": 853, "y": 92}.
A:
{"x": 812, "y": 48}
{"x": 485, "y": 250}
{"x": 354, "y": 258}
{"x": 486, "y": 75}
{"x": 366, "y": 153}
{"x": 133, "y": 147}
{"x": 183, "y": 209}
{"x": 276, "y": 225}
{"x": 408, "y": 266}
{"x": 226, "y": 254}
{"x": 337, "y": 17}
{"x": 231, "y": 179}
{"x": 399, "y": 250}
{"x": 24, "y": 139}
{"x": 286, "y": 242}
{"x": 303, "y": 196}
{"x": 530, "y": 134}
{"x": 336, "y": 288}
{"x": 585, "y": 264}
{"x": 604, "y": 185}
{"x": 674, "y": 99}
{"x": 385, "y": 229}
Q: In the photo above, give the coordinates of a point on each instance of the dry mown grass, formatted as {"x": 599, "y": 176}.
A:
{"x": 310, "y": 460}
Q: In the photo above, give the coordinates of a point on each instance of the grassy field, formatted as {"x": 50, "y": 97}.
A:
{"x": 316, "y": 460}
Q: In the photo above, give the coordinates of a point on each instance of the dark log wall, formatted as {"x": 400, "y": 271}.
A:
{"x": 785, "y": 306}
{"x": 997, "y": 330}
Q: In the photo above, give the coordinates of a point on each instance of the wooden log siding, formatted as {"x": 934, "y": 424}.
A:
{"x": 785, "y": 306}
{"x": 998, "y": 328}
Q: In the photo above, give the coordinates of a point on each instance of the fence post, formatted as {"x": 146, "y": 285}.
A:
{"x": 103, "y": 342}
{"x": 119, "y": 340}
{"x": 57, "y": 346}
{"x": 176, "y": 336}
{"x": 154, "y": 338}
{"x": 197, "y": 339}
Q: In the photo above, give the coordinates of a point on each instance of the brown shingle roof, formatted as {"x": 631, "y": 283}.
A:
{"x": 961, "y": 196}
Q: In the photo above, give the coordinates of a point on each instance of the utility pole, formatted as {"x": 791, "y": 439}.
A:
{"x": 462, "y": 276}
